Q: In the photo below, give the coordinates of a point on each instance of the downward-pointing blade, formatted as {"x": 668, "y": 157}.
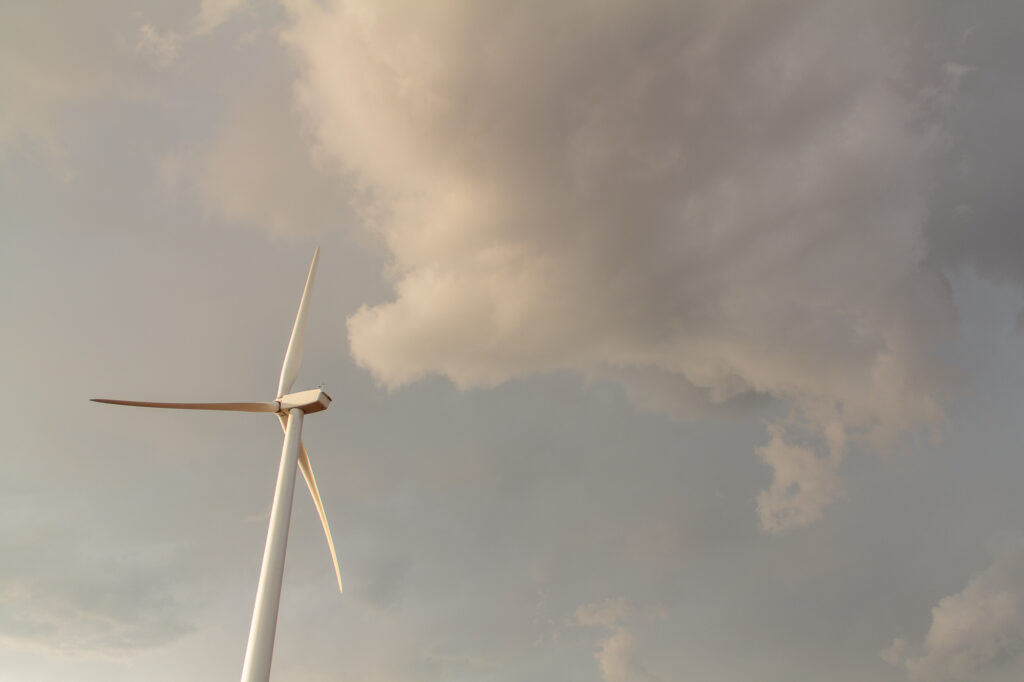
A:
{"x": 293, "y": 356}
{"x": 307, "y": 473}
{"x": 227, "y": 407}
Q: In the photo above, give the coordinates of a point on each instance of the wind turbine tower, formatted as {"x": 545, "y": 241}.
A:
{"x": 291, "y": 409}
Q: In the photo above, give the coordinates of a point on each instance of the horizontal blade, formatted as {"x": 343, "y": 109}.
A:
{"x": 307, "y": 473}
{"x": 293, "y": 356}
{"x": 227, "y": 407}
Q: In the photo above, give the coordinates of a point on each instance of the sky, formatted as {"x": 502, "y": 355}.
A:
{"x": 667, "y": 340}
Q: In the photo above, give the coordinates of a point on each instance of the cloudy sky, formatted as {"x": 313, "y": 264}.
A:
{"x": 667, "y": 340}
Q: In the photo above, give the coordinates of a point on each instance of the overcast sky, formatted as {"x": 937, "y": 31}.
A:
{"x": 667, "y": 340}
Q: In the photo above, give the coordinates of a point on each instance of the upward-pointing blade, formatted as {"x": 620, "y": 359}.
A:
{"x": 293, "y": 356}
{"x": 307, "y": 473}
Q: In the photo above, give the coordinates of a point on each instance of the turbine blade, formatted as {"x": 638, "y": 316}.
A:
{"x": 307, "y": 473}
{"x": 227, "y": 407}
{"x": 293, "y": 356}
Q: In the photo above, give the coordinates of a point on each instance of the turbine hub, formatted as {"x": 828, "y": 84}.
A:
{"x": 314, "y": 400}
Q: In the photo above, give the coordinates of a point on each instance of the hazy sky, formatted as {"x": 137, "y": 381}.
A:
{"x": 667, "y": 340}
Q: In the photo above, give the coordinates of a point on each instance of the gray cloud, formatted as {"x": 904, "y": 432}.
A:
{"x": 978, "y": 100}
{"x": 55, "y": 63}
{"x": 259, "y": 170}
{"x": 729, "y": 198}
{"x": 254, "y": 163}
{"x": 69, "y": 595}
{"x": 45, "y": 67}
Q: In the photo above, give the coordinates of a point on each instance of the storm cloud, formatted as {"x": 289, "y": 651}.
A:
{"x": 660, "y": 279}
{"x": 727, "y": 199}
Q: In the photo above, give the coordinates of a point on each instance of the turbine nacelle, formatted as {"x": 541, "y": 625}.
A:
{"x": 313, "y": 400}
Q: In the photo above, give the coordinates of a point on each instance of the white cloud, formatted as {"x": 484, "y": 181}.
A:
{"x": 974, "y": 628}
{"x": 213, "y": 13}
{"x": 161, "y": 48}
{"x": 616, "y": 654}
{"x": 43, "y": 68}
{"x": 710, "y": 200}
{"x": 804, "y": 483}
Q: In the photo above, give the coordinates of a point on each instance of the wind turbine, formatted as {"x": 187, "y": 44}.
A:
{"x": 290, "y": 409}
